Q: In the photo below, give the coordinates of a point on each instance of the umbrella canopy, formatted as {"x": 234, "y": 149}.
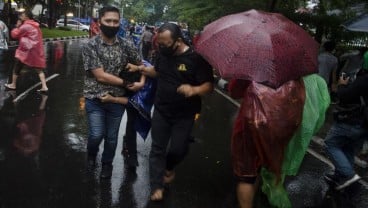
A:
{"x": 359, "y": 24}
{"x": 263, "y": 47}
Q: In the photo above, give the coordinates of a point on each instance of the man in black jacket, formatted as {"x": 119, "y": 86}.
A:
{"x": 349, "y": 131}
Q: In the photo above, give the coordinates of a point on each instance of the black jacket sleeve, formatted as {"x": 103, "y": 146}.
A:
{"x": 351, "y": 93}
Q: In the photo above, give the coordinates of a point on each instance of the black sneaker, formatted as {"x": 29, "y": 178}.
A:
{"x": 132, "y": 163}
{"x": 124, "y": 150}
{"x": 347, "y": 182}
{"x": 91, "y": 161}
{"x": 331, "y": 178}
{"x": 106, "y": 171}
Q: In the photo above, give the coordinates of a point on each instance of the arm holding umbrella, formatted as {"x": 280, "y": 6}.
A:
{"x": 272, "y": 64}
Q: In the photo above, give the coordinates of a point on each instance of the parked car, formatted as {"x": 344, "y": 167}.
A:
{"x": 75, "y": 25}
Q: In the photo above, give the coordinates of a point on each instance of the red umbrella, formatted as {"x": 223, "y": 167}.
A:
{"x": 264, "y": 47}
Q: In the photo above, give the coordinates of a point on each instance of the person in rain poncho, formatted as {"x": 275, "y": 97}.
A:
{"x": 272, "y": 132}
{"x": 30, "y": 52}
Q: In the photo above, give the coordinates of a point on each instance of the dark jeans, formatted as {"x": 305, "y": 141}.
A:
{"x": 103, "y": 123}
{"x": 130, "y": 138}
{"x": 342, "y": 142}
{"x": 175, "y": 130}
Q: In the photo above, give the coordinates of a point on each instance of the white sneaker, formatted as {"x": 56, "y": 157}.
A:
{"x": 348, "y": 182}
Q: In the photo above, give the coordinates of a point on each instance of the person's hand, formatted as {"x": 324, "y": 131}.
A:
{"x": 131, "y": 67}
{"x": 186, "y": 89}
{"x": 334, "y": 87}
{"x": 343, "y": 81}
{"x": 135, "y": 86}
{"x": 19, "y": 23}
{"x": 106, "y": 98}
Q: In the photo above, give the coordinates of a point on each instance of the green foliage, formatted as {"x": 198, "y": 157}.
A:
{"x": 54, "y": 33}
{"x": 319, "y": 23}
{"x": 66, "y": 28}
{"x": 199, "y": 13}
{"x": 148, "y": 11}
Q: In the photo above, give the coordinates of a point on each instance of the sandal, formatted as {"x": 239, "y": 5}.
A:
{"x": 157, "y": 195}
{"x": 43, "y": 91}
{"x": 7, "y": 86}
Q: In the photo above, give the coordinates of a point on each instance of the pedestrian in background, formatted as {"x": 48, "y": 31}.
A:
{"x": 30, "y": 52}
{"x": 351, "y": 63}
{"x": 365, "y": 61}
{"x": 146, "y": 41}
{"x": 4, "y": 35}
{"x": 183, "y": 76}
{"x": 327, "y": 64}
{"x": 93, "y": 28}
{"x": 105, "y": 56}
{"x": 349, "y": 130}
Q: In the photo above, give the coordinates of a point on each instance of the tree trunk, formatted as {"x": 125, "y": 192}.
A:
{"x": 320, "y": 29}
{"x": 273, "y": 5}
{"x": 51, "y": 13}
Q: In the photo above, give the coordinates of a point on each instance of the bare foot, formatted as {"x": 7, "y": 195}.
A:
{"x": 10, "y": 86}
{"x": 43, "y": 90}
{"x": 157, "y": 195}
{"x": 169, "y": 176}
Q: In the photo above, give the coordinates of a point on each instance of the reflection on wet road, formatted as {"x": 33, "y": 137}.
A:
{"x": 43, "y": 151}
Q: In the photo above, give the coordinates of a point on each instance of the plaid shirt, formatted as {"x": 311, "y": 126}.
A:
{"x": 112, "y": 58}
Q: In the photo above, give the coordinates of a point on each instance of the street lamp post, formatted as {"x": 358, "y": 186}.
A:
{"x": 79, "y": 6}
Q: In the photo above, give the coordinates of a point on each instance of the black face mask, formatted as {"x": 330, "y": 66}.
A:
{"x": 168, "y": 51}
{"x": 109, "y": 31}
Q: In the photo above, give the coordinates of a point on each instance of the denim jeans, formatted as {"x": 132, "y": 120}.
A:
{"x": 342, "y": 142}
{"x": 103, "y": 123}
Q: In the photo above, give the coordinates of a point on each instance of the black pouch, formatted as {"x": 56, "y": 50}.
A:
{"x": 130, "y": 77}
{"x": 346, "y": 114}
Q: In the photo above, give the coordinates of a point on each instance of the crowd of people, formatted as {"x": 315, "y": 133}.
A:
{"x": 178, "y": 100}
{"x": 115, "y": 72}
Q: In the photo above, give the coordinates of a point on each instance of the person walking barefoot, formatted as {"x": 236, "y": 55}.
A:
{"x": 30, "y": 52}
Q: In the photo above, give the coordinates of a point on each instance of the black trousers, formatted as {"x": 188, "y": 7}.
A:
{"x": 175, "y": 131}
{"x": 130, "y": 138}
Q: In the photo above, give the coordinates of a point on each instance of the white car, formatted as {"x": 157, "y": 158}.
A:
{"x": 75, "y": 25}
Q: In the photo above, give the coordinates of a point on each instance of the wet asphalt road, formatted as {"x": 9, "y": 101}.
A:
{"x": 44, "y": 166}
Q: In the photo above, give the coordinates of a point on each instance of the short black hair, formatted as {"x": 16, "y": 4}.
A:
{"x": 105, "y": 9}
{"x": 28, "y": 13}
{"x": 329, "y": 45}
{"x": 173, "y": 28}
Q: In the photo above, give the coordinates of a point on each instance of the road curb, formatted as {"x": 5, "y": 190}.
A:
{"x": 14, "y": 43}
